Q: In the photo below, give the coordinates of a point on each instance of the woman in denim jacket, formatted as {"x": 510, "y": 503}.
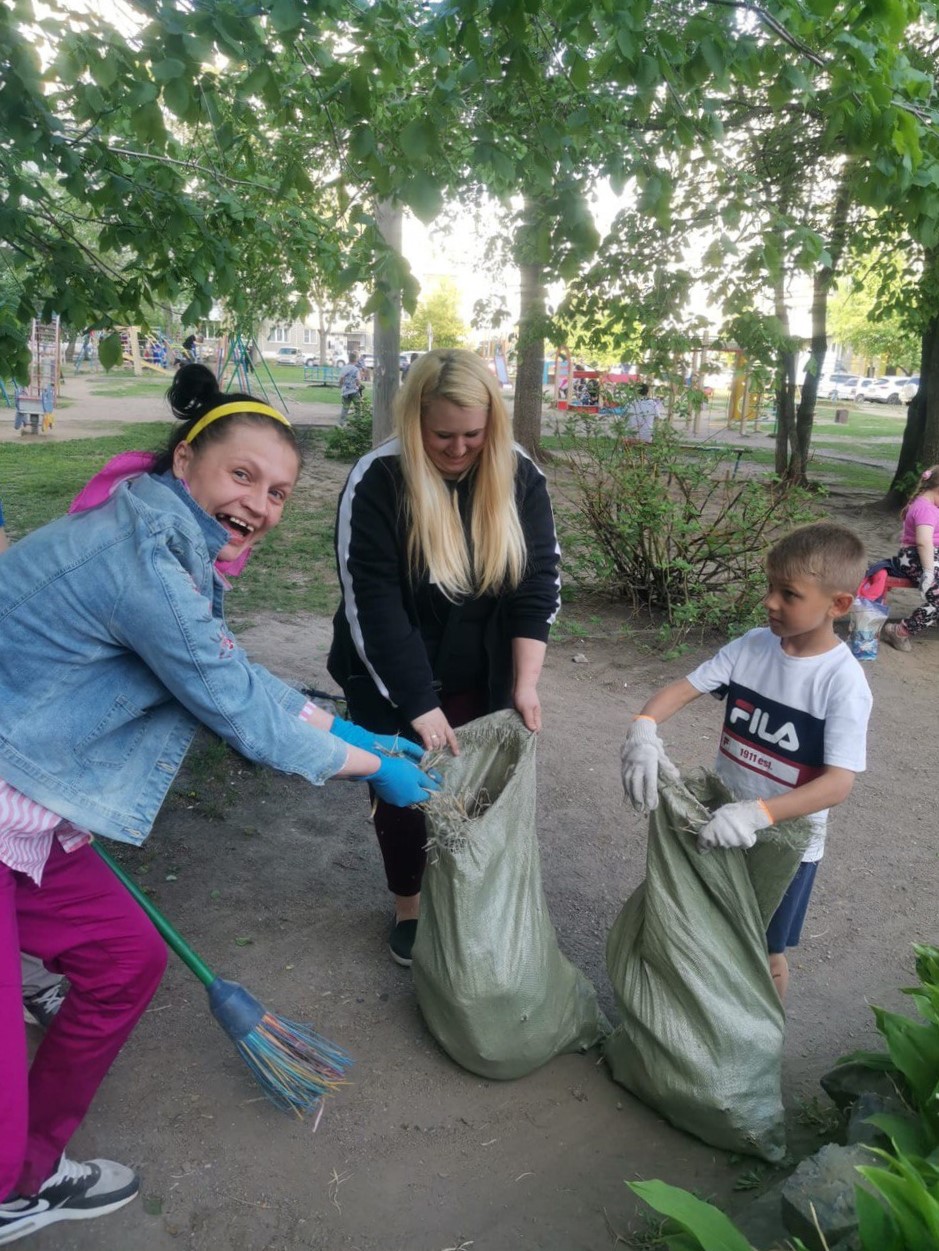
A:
{"x": 115, "y": 647}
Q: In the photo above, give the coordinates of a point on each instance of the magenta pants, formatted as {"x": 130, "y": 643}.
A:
{"x": 80, "y": 922}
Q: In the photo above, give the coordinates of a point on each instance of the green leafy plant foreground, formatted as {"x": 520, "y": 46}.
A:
{"x": 899, "y": 1211}
{"x": 670, "y": 528}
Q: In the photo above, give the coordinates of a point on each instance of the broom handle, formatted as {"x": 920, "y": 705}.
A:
{"x": 172, "y": 937}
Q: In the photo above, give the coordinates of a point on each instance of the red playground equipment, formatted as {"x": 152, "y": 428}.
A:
{"x": 586, "y": 390}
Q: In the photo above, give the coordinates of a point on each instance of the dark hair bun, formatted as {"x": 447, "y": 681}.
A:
{"x": 193, "y": 392}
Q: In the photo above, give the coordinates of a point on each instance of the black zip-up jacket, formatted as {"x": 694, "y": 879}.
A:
{"x": 397, "y": 640}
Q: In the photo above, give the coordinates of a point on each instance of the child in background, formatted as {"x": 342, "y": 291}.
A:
{"x": 919, "y": 560}
{"x": 795, "y": 722}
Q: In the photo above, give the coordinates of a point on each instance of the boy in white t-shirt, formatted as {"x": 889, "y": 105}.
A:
{"x": 795, "y": 721}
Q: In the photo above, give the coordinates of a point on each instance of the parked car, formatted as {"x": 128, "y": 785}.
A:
{"x": 908, "y": 388}
{"x": 839, "y": 386}
{"x": 885, "y": 390}
{"x": 289, "y": 355}
{"x": 863, "y": 388}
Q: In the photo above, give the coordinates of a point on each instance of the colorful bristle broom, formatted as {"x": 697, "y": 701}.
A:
{"x": 291, "y": 1063}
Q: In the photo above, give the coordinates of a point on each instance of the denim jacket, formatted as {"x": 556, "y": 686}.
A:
{"x": 113, "y": 646}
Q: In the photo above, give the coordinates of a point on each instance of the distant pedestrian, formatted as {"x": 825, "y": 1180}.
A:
{"x": 351, "y": 387}
{"x": 405, "y": 368}
{"x": 85, "y": 352}
{"x": 641, "y": 415}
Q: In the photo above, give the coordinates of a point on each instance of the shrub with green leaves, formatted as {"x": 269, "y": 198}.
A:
{"x": 912, "y": 1059}
{"x": 354, "y": 439}
{"x": 671, "y": 528}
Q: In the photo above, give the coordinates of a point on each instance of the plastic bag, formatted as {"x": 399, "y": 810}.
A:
{"x": 702, "y": 1028}
{"x": 491, "y": 982}
{"x": 867, "y": 620}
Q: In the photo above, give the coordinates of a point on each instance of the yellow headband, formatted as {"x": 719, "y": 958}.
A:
{"x": 235, "y": 406}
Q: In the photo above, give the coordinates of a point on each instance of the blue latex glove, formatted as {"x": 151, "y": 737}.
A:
{"x": 402, "y": 783}
{"x": 357, "y": 736}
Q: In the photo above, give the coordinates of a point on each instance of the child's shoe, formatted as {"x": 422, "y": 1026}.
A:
{"x": 74, "y": 1192}
{"x": 894, "y": 634}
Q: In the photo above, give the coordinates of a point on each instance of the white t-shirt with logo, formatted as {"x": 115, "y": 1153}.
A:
{"x": 786, "y": 718}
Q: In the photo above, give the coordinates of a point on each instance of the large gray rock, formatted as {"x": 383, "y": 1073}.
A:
{"x": 859, "y": 1132}
{"x": 851, "y": 1243}
{"x": 761, "y": 1221}
{"x": 825, "y": 1182}
{"x": 846, "y": 1082}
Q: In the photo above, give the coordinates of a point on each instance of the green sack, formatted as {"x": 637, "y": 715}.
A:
{"x": 491, "y": 982}
{"x": 702, "y": 1030}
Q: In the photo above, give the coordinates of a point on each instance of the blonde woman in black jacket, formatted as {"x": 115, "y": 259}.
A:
{"x": 448, "y": 561}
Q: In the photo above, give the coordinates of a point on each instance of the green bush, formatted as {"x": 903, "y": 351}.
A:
{"x": 669, "y": 528}
{"x": 354, "y": 439}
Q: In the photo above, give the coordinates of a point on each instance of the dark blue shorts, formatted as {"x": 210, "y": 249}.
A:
{"x": 785, "y": 929}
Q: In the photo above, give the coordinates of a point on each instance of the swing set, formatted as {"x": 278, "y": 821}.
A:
{"x": 237, "y": 364}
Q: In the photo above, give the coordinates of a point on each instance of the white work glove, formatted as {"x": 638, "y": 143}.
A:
{"x": 642, "y": 756}
{"x": 735, "y": 825}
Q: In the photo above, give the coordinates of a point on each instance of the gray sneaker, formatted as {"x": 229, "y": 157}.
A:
{"x": 40, "y": 1008}
{"x": 74, "y": 1192}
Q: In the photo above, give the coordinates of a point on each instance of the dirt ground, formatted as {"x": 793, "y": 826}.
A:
{"x": 280, "y": 887}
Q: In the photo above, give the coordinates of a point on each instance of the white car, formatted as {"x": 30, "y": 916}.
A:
{"x": 885, "y": 390}
{"x": 863, "y": 388}
{"x": 288, "y": 355}
{"x": 839, "y": 387}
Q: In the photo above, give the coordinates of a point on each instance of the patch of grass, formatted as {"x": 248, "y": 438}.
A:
{"x": 293, "y": 570}
{"x": 122, "y": 385}
{"x": 318, "y": 395}
{"x": 38, "y": 480}
{"x": 841, "y": 473}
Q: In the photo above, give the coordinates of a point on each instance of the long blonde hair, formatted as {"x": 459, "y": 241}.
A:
{"x": 495, "y": 557}
{"x": 929, "y": 481}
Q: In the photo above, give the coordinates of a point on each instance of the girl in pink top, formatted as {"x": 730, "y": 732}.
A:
{"x": 919, "y": 560}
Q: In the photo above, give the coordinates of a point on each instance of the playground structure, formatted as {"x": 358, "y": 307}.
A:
{"x": 153, "y": 355}
{"x": 35, "y": 402}
{"x": 237, "y": 365}
{"x": 583, "y": 390}
{"x": 577, "y": 389}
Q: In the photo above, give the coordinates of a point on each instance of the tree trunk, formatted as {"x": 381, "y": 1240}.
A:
{"x": 805, "y": 413}
{"x": 785, "y": 411}
{"x": 785, "y": 384}
{"x": 530, "y": 368}
{"x": 821, "y": 288}
{"x": 387, "y": 336}
{"x": 920, "y": 446}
